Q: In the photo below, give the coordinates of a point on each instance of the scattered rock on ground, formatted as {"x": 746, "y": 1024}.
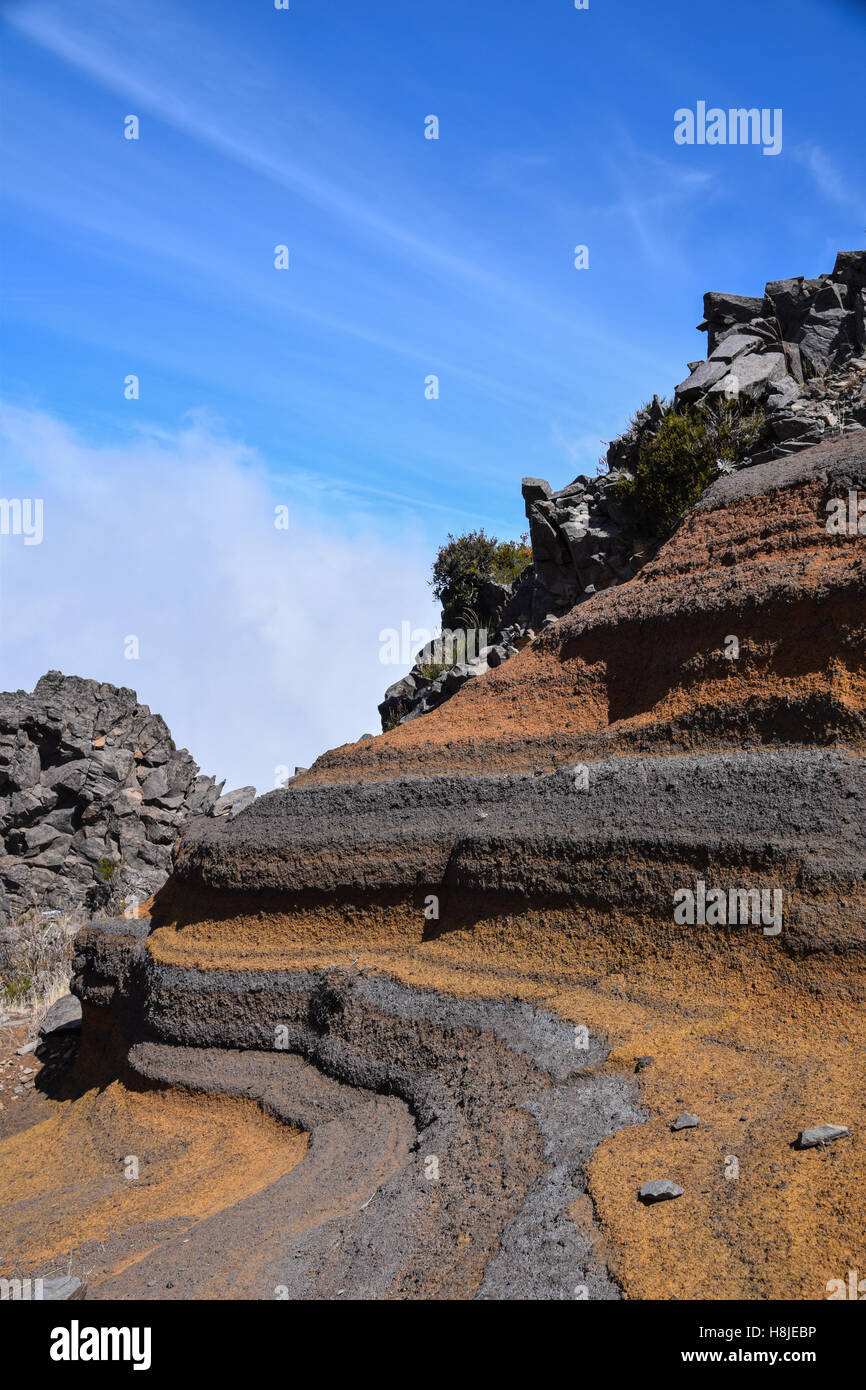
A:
{"x": 63, "y": 1016}
{"x": 660, "y": 1190}
{"x": 64, "y": 1288}
{"x": 820, "y": 1135}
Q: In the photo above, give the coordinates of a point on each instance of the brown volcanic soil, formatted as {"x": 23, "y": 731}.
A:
{"x": 410, "y": 1035}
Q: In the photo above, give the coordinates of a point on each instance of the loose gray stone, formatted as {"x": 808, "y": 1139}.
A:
{"x": 820, "y": 1135}
{"x": 232, "y": 803}
{"x": 755, "y": 372}
{"x": 685, "y": 1121}
{"x": 535, "y": 490}
{"x": 63, "y": 1016}
{"x": 735, "y": 308}
{"x": 733, "y": 344}
{"x": 700, "y": 381}
{"x": 64, "y": 1288}
{"x": 660, "y": 1190}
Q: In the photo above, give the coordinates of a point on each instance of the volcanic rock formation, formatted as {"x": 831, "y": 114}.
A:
{"x": 449, "y": 956}
{"x": 799, "y": 353}
{"x": 92, "y": 795}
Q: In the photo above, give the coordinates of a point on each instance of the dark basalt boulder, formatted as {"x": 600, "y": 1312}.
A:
{"x": 93, "y": 793}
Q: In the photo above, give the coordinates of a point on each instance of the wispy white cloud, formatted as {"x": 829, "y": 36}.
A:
{"x": 260, "y": 647}
{"x": 208, "y": 104}
{"x": 830, "y": 182}
{"x": 582, "y": 450}
{"x": 651, "y": 189}
{"x": 101, "y": 50}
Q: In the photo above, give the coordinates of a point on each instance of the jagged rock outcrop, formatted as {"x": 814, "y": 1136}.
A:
{"x": 93, "y": 793}
{"x": 450, "y": 955}
{"x": 585, "y": 538}
{"x": 445, "y": 664}
{"x": 800, "y": 351}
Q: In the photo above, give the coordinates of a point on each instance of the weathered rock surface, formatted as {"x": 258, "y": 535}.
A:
{"x": 584, "y": 538}
{"x": 92, "y": 795}
{"x": 643, "y": 667}
{"x": 448, "y": 1136}
{"x": 800, "y": 351}
{"x": 660, "y": 1190}
{"x": 442, "y": 973}
{"x": 63, "y": 1016}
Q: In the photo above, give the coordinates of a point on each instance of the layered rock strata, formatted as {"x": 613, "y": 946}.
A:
{"x": 453, "y": 952}
{"x": 647, "y": 667}
{"x": 443, "y": 1132}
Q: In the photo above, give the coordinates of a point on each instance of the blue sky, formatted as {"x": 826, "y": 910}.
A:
{"x": 408, "y": 257}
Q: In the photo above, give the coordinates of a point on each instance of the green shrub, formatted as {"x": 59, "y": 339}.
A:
{"x": 683, "y": 453}
{"x": 511, "y": 559}
{"x": 16, "y": 989}
{"x": 106, "y": 867}
{"x": 464, "y": 562}
{"x": 621, "y": 455}
{"x": 432, "y": 669}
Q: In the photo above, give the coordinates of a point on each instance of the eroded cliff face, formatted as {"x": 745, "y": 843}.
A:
{"x": 456, "y": 957}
